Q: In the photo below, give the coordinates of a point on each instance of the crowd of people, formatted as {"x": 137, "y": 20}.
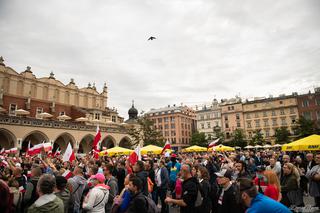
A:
{"x": 240, "y": 181}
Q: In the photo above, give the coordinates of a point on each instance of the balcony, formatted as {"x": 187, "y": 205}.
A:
{"x": 25, "y": 121}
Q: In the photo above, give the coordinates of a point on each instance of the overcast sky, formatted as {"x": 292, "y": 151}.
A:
{"x": 204, "y": 49}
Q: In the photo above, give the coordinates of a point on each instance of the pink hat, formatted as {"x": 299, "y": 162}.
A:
{"x": 100, "y": 177}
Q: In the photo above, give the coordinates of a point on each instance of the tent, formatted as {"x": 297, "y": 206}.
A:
{"x": 116, "y": 151}
{"x": 222, "y": 148}
{"x": 195, "y": 149}
{"x": 151, "y": 149}
{"x": 258, "y": 146}
{"x": 310, "y": 143}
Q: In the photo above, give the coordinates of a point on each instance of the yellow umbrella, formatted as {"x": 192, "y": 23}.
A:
{"x": 309, "y": 143}
{"x": 195, "y": 149}
{"x": 222, "y": 148}
{"x": 151, "y": 149}
{"x": 116, "y": 151}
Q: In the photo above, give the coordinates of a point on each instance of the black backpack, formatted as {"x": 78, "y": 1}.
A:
{"x": 151, "y": 206}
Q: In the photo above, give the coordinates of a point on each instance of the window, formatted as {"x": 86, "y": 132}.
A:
{"x": 265, "y": 114}
{"x": 97, "y": 116}
{"x": 182, "y": 126}
{"x": 227, "y": 135}
{"x": 166, "y": 119}
{"x": 281, "y": 111}
{"x": 273, "y": 113}
{"x": 293, "y": 119}
{"x": 249, "y": 124}
{"x": 237, "y": 116}
{"x": 209, "y": 125}
{"x": 274, "y": 122}
{"x": 283, "y": 122}
{"x": 250, "y": 134}
{"x": 39, "y": 110}
{"x": 307, "y": 115}
{"x": 292, "y": 111}
{"x": 226, "y": 117}
{"x": 182, "y": 133}
{"x": 216, "y": 123}
{"x": 267, "y": 133}
{"x": 257, "y": 123}
{"x": 248, "y": 116}
{"x": 172, "y": 119}
{"x": 238, "y": 124}
{"x": 202, "y": 126}
{"x": 62, "y": 113}
{"x": 12, "y": 109}
{"x": 227, "y": 125}
{"x": 160, "y": 120}
{"x": 160, "y": 127}
{"x": 255, "y": 106}
{"x": 202, "y": 117}
{"x": 113, "y": 118}
{"x": 266, "y": 124}
{"x": 208, "y": 116}
{"x": 216, "y": 115}
{"x": 232, "y": 107}
{"x": 256, "y": 115}
{"x": 173, "y": 133}
{"x": 166, "y": 126}
{"x": 281, "y": 102}
{"x": 305, "y": 103}
{"x": 166, "y": 133}
{"x": 173, "y": 126}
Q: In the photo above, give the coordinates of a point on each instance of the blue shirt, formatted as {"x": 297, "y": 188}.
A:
{"x": 264, "y": 204}
{"x": 174, "y": 170}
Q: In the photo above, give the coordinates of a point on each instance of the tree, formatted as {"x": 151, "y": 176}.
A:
{"x": 199, "y": 139}
{"x": 218, "y": 133}
{"x": 257, "y": 138}
{"x": 282, "y": 135}
{"x": 146, "y": 133}
{"x": 238, "y": 138}
{"x": 304, "y": 127}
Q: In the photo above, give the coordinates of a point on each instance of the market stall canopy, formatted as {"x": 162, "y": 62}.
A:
{"x": 277, "y": 145}
{"x": 195, "y": 149}
{"x": 151, "y": 149}
{"x": 222, "y": 148}
{"x": 310, "y": 143}
{"x": 45, "y": 115}
{"x": 117, "y": 150}
{"x": 249, "y": 147}
{"x": 258, "y": 146}
{"x": 267, "y": 146}
{"x": 22, "y": 112}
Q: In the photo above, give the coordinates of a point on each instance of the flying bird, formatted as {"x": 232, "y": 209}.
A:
{"x": 151, "y": 38}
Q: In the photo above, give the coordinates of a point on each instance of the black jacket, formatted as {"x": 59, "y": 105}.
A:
{"x": 205, "y": 188}
{"x": 229, "y": 201}
{"x": 138, "y": 204}
{"x": 143, "y": 175}
{"x": 189, "y": 195}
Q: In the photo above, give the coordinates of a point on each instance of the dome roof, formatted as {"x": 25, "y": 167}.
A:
{"x": 133, "y": 112}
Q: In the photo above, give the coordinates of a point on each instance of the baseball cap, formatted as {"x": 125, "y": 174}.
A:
{"x": 173, "y": 155}
{"x": 224, "y": 173}
{"x": 100, "y": 177}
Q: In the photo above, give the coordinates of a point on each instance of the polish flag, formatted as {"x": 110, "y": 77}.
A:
{"x": 13, "y": 150}
{"x": 2, "y": 151}
{"x": 47, "y": 147}
{"x": 135, "y": 156}
{"x": 36, "y": 149}
{"x": 214, "y": 143}
{"x": 67, "y": 174}
{"x": 97, "y": 138}
{"x": 166, "y": 146}
{"x": 57, "y": 152}
{"x": 69, "y": 154}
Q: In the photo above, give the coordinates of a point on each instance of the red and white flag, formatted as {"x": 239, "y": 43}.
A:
{"x": 13, "y": 150}
{"x": 67, "y": 174}
{"x": 135, "y": 156}
{"x": 166, "y": 146}
{"x": 69, "y": 154}
{"x": 21, "y": 189}
{"x": 214, "y": 143}
{"x": 47, "y": 147}
{"x": 2, "y": 151}
{"x": 57, "y": 152}
{"x": 36, "y": 149}
{"x": 97, "y": 138}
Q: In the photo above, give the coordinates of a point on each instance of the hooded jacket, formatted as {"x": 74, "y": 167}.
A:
{"x": 143, "y": 175}
{"x": 96, "y": 199}
{"x": 47, "y": 203}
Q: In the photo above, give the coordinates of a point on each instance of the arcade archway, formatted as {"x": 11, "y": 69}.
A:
{"x": 62, "y": 141}
{"x": 7, "y": 139}
{"x": 34, "y": 137}
{"x": 125, "y": 143}
{"x": 108, "y": 142}
{"x": 85, "y": 144}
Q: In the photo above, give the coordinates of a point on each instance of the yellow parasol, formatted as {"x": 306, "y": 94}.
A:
{"x": 195, "y": 149}
{"x": 309, "y": 143}
{"x": 151, "y": 149}
{"x": 116, "y": 151}
{"x": 222, "y": 148}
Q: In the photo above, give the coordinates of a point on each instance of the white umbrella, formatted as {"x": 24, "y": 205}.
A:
{"x": 82, "y": 119}
{"x": 249, "y": 147}
{"x": 64, "y": 117}
{"x": 267, "y": 146}
{"x": 45, "y": 115}
{"x": 22, "y": 112}
{"x": 277, "y": 145}
{"x": 237, "y": 147}
{"x": 258, "y": 146}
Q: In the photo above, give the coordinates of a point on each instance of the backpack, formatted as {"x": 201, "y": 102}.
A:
{"x": 151, "y": 206}
{"x": 150, "y": 185}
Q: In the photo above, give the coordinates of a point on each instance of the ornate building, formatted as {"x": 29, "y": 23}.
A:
{"x": 44, "y": 109}
{"x": 309, "y": 106}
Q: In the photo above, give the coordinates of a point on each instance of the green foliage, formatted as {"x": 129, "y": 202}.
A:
{"x": 304, "y": 128}
{"x": 199, "y": 139}
{"x": 257, "y": 138}
{"x": 146, "y": 133}
{"x": 282, "y": 135}
{"x": 238, "y": 138}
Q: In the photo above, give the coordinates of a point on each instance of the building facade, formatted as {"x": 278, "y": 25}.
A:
{"x": 231, "y": 116}
{"x": 208, "y": 118}
{"x": 52, "y": 111}
{"x": 309, "y": 106}
{"x": 176, "y": 123}
{"x": 268, "y": 114}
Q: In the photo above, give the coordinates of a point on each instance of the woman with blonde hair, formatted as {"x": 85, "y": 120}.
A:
{"x": 273, "y": 185}
{"x": 291, "y": 193}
